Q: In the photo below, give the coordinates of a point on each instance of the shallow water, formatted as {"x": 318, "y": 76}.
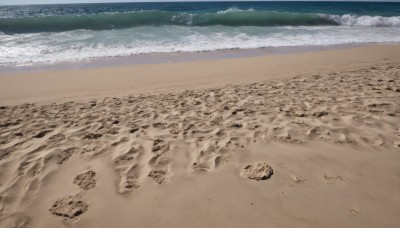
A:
{"x": 32, "y": 35}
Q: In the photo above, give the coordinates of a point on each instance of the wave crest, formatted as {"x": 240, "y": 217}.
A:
{"x": 231, "y": 17}
{"x": 364, "y": 21}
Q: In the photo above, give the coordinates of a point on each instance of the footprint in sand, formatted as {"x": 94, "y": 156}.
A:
{"x": 159, "y": 145}
{"x": 69, "y": 207}
{"x": 258, "y": 171}
{"x": 86, "y": 180}
{"x": 159, "y": 176}
{"x": 129, "y": 179}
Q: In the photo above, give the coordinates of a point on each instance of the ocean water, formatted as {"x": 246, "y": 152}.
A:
{"x": 74, "y": 32}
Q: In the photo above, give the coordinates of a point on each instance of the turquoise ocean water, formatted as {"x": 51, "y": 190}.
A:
{"x": 58, "y": 33}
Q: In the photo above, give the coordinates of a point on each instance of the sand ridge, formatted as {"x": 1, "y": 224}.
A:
{"x": 158, "y": 137}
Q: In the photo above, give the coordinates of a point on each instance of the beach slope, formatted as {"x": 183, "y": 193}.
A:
{"x": 297, "y": 140}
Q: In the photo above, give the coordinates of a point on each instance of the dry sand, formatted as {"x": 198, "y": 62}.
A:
{"x": 252, "y": 142}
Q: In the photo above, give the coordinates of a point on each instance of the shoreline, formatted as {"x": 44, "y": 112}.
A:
{"x": 171, "y": 57}
{"x": 84, "y": 84}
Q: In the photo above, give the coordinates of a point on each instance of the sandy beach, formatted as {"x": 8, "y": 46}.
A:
{"x": 291, "y": 140}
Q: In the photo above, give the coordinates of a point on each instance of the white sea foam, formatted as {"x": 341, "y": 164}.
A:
{"x": 364, "y": 21}
{"x": 25, "y": 49}
{"x": 233, "y": 9}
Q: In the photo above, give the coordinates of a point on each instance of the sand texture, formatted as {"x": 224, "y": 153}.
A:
{"x": 313, "y": 150}
{"x": 94, "y": 83}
